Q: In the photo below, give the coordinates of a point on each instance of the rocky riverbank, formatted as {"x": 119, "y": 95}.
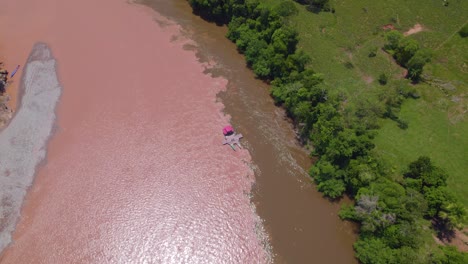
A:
{"x": 5, "y": 112}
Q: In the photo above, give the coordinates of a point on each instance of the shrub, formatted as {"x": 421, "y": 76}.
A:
{"x": 317, "y": 6}
{"x": 348, "y": 65}
{"x": 464, "y": 31}
{"x": 393, "y": 40}
{"x": 416, "y": 64}
{"x": 286, "y": 8}
{"x": 383, "y": 79}
{"x": 402, "y": 124}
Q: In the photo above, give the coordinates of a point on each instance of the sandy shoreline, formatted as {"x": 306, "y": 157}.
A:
{"x": 136, "y": 170}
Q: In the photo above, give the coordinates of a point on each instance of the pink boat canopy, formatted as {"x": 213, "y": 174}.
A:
{"x": 228, "y": 130}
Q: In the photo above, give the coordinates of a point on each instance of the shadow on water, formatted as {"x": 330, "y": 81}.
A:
{"x": 302, "y": 225}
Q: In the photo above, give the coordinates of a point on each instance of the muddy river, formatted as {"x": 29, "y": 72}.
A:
{"x": 135, "y": 172}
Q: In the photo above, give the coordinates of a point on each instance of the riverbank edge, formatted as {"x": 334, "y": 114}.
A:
{"x": 40, "y": 52}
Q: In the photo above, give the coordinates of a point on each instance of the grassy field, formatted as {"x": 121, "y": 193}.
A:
{"x": 339, "y": 45}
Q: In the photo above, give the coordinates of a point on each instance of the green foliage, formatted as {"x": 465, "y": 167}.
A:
{"x": 449, "y": 255}
{"x": 414, "y": 206}
{"x": 416, "y": 64}
{"x": 284, "y": 40}
{"x": 437, "y": 198}
{"x": 407, "y": 53}
{"x": 402, "y": 235}
{"x": 347, "y": 212}
{"x": 373, "y": 52}
{"x": 393, "y": 40}
{"x": 406, "y": 49}
{"x": 220, "y": 11}
{"x": 373, "y": 251}
{"x": 383, "y": 79}
{"x": 464, "y": 31}
{"x": 402, "y": 124}
{"x": 332, "y": 188}
{"x": 430, "y": 175}
{"x": 360, "y": 174}
{"x": 286, "y": 8}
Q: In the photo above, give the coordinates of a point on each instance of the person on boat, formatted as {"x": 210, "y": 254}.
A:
{"x": 228, "y": 131}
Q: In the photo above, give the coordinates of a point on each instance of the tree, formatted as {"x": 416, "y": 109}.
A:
{"x": 444, "y": 208}
{"x": 373, "y": 251}
{"x": 416, "y": 64}
{"x": 425, "y": 174}
{"x": 449, "y": 255}
{"x": 254, "y": 49}
{"x": 298, "y": 61}
{"x": 326, "y": 126}
{"x": 422, "y": 165}
{"x": 406, "y": 49}
{"x": 414, "y": 206}
{"x": 359, "y": 174}
{"x": 322, "y": 171}
{"x": 219, "y": 11}
{"x": 393, "y": 40}
{"x": 401, "y": 235}
{"x": 332, "y": 188}
{"x": 284, "y": 40}
{"x": 453, "y": 214}
{"x": 286, "y": 8}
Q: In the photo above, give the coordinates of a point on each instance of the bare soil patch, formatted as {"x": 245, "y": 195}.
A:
{"x": 415, "y": 29}
{"x": 459, "y": 239}
{"x": 368, "y": 79}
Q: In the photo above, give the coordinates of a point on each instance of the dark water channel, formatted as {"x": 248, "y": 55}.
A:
{"x": 303, "y": 227}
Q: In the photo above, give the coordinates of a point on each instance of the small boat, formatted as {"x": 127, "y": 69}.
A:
{"x": 231, "y": 138}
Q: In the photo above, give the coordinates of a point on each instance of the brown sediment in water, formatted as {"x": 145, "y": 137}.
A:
{"x": 136, "y": 171}
{"x": 303, "y": 227}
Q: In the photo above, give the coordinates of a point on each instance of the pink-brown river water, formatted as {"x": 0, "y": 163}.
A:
{"x": 135, "y": 172}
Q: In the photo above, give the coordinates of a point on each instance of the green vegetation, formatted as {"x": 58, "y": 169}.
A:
{"x": 354, "y": 35}
{"x": 464, "y": 31}
{"x": 340, "y": 111}
{"x": 407, "y": 53}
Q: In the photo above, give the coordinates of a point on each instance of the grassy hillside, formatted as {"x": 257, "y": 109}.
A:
{"x": 340, "y": 43}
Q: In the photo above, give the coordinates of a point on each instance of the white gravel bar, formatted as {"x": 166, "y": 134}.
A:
{"x": 23, "y": 142}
